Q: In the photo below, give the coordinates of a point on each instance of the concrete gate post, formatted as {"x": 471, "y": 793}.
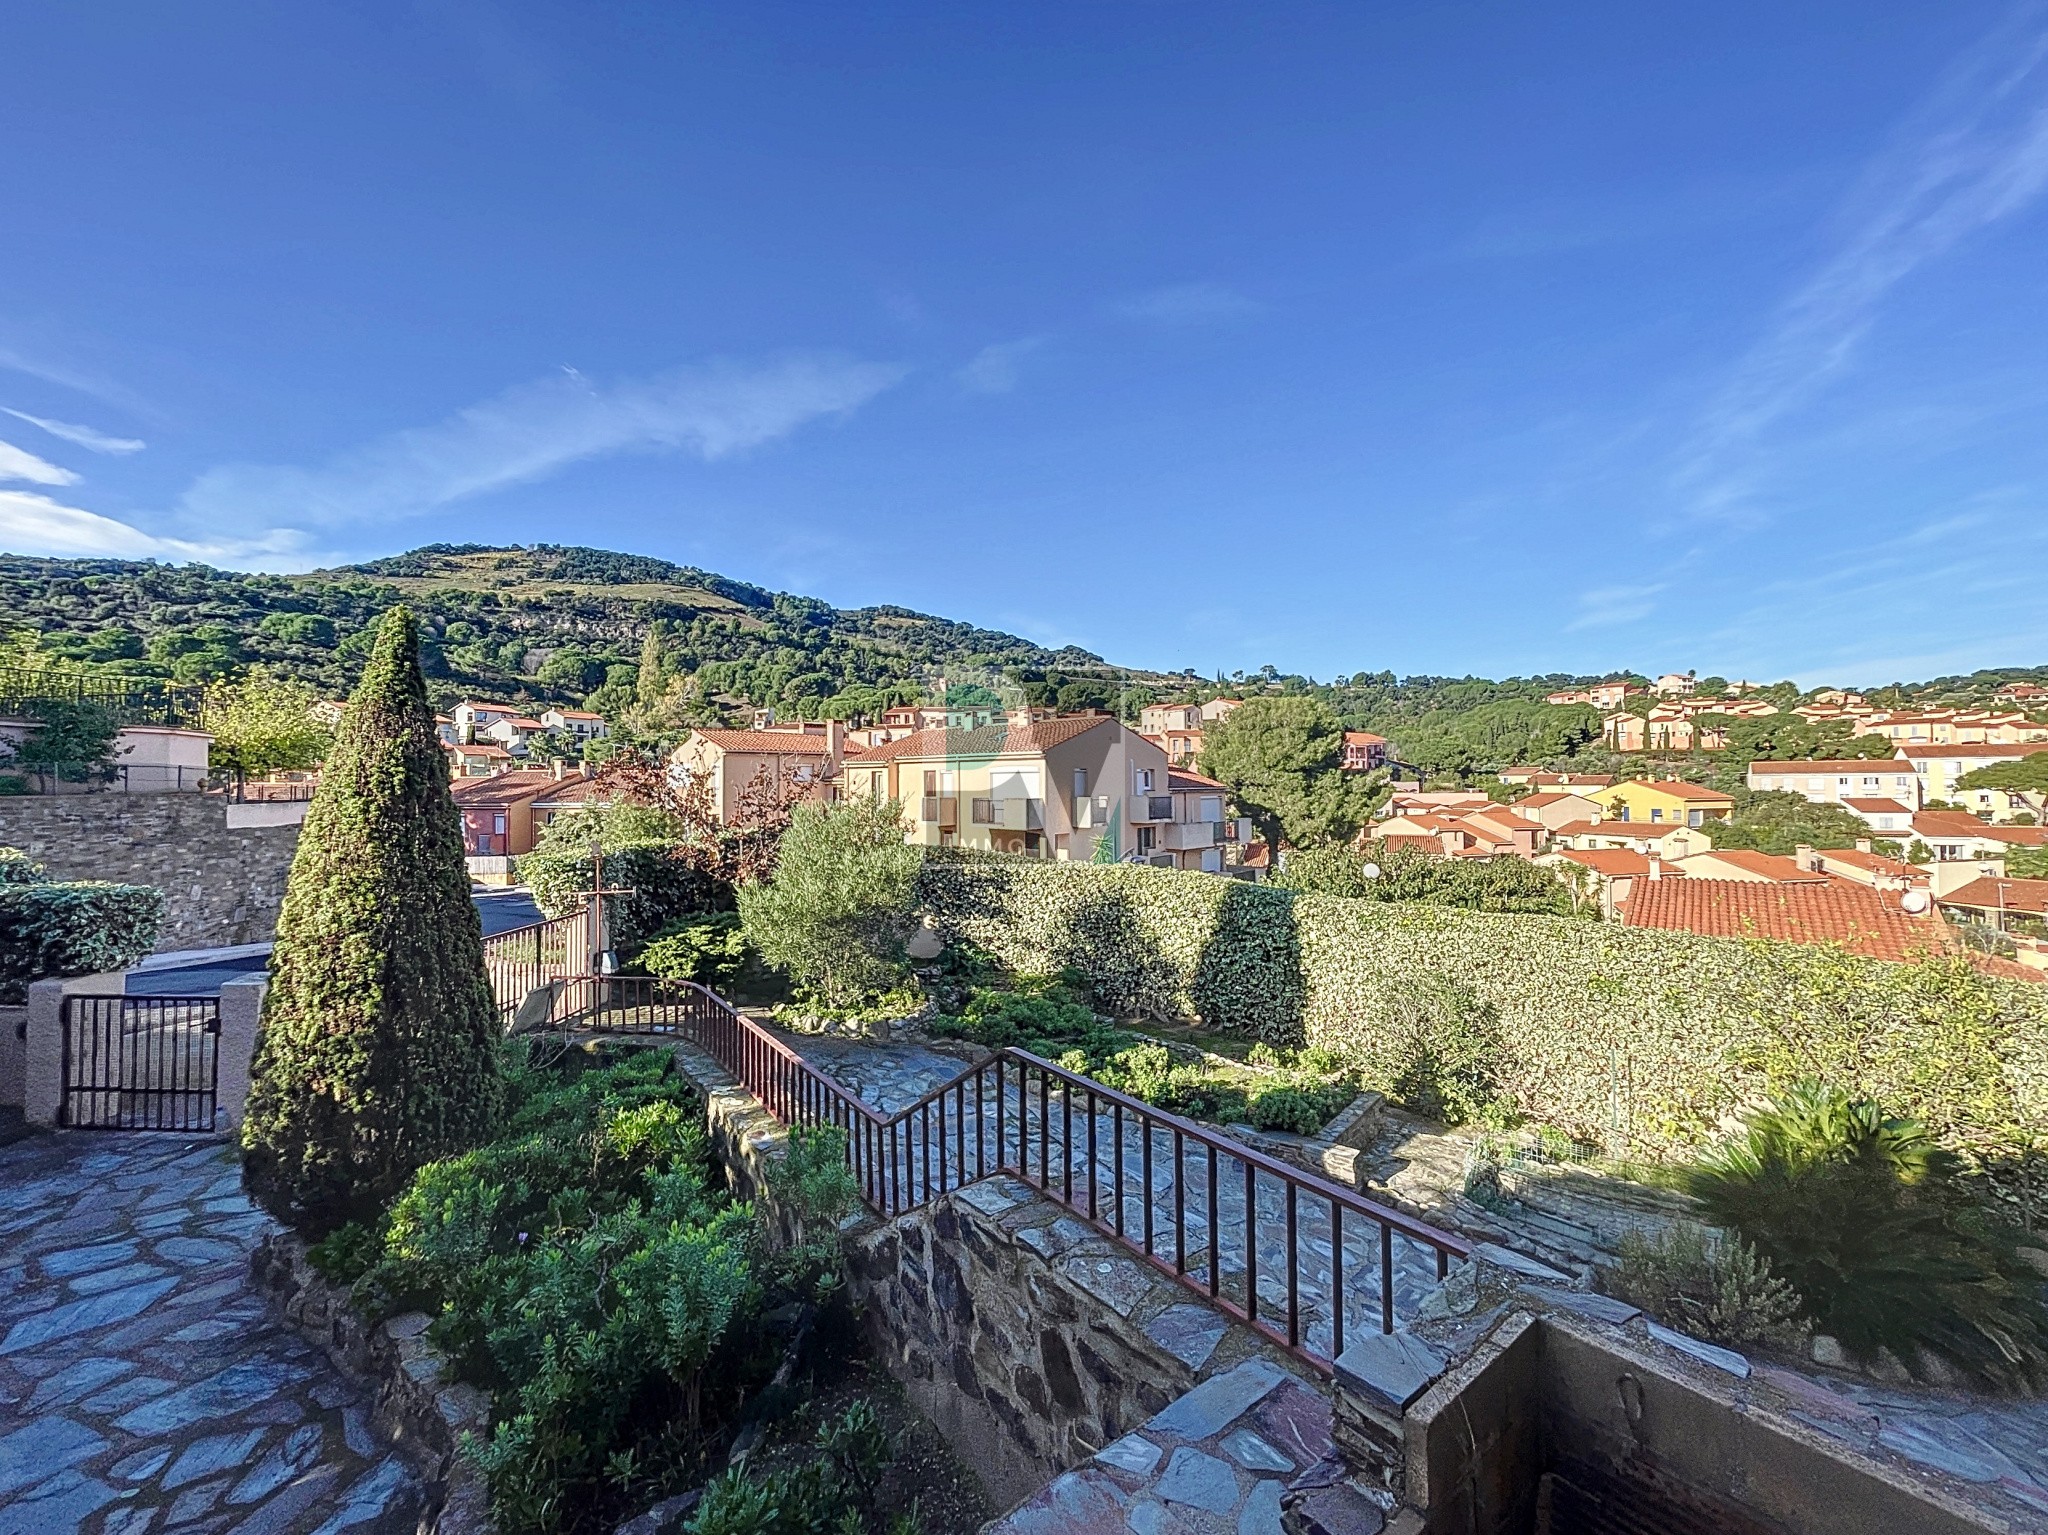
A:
{"x": 241, "y": 1015}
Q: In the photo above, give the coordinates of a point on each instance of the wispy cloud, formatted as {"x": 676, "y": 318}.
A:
{"x": 993, "y": 369}
{"x": 31, "y": 523}
{"x": 20, "y": 464}
{"x": 1605, "y": 606}
{"x": 534, "y": 430}
{"x": 84, "y": 436}
{"x": 1974, "y": 153}
{"x": 1186, "y": 303}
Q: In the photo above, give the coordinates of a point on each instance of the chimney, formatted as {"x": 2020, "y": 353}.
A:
{"x": 561, "y": 769}
{"x": 835, "y": 739}
{"x": 1862, "y": 844}
{"x": 1806, "y": 858}
{"x": 1656, "y": 867}
{"x": 1020, "y": 719}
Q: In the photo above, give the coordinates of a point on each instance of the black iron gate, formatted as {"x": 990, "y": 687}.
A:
{"x": 140, "y": 1063}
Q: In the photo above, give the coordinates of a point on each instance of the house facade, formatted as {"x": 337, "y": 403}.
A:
{"x": 1836, "y": 781}
{"x": 733, "y": 759}
{"x": 1043, "y": 788}
{"x": 1666, "y": 802}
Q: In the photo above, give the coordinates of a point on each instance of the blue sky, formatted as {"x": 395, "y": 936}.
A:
{"x": 1448, "y": 338}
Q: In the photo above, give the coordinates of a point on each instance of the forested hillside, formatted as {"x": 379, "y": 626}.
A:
{"x": 544, "y": 624}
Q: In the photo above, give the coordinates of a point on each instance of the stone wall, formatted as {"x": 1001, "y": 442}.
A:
{"x": 1029, "y": 1338}
{"x": 222, "y": 885}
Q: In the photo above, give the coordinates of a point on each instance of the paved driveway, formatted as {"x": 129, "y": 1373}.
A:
{"x": 143, "y": 1385}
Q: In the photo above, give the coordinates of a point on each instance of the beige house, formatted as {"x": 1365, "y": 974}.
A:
{"x": 1555, "y": 808}
{"x": 733, "y": 759}
{"x": 1202, "y": 834}
{"x": 1667, "y": 841}
{"x": 1044, "y": 788}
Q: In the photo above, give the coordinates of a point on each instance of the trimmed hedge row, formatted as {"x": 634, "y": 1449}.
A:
{"x": 49, "y": 928}
{"x": 1636, "y": 1039}
{"x": 663, "y": 888}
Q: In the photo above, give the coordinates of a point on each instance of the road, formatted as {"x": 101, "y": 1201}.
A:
{"x": 209, "y": 971}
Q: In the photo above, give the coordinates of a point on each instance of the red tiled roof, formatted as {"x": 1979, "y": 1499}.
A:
{"x": 1960, "y": 823}
{"x": 989, "y": 740}
{"x": 503, "y": 788}
{"x": 1878, "y": 806}
{"x": 778, "y": 743}
{"x": 1537, "y": 801}
{"x": 1972, "y": 749}
{"x": 1771, "y": 866}
{"x": 1363, "y": 738}
{"x": 1987, "y": 894}
{"x": 1181, "y": 778}
{"x": 1618, "y": 862}
{"x": 1820, "y": 767}
{"x": 1864, "y": 921}
{"x": 482, "y": 749}
{"x": 1875, "y": 863}
{"x": 576, "y": 714}
{"x": 1679, "y": 789}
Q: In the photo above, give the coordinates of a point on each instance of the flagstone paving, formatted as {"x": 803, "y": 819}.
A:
{"x": 144, "y": 1387}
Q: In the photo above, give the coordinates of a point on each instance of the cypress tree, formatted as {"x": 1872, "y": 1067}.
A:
{"x": 378, "y": 1049}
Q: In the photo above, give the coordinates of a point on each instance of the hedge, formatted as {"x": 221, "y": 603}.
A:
{"x": 1636, "y": 1039}
{"x": 51, "y": 928}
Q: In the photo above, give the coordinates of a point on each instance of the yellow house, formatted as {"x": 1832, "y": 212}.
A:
{"x": 1045, "y": 788}
{"x": 1668, "y": 802}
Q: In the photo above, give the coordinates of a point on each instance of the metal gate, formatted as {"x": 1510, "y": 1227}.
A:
{"x": 140, "y": 1063}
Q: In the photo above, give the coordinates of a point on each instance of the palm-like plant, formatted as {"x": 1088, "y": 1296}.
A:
{"x": 1869, "y": 1219}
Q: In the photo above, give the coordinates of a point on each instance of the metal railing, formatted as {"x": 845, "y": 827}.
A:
{"x": 521, "y": 960}
{"x": 102, "y": 778}
{"x": 135, "y": 700}
{"x": 1300, "y": 1258}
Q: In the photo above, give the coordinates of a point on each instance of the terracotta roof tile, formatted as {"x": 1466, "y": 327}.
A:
{"x": 1878, "y": 806}
{"x": 1864, "y": 921}
{"x": 1987, "y": 894}
{"x": 1678, "y": 789}
{"x": 1770, "y": 866}
{"x": 989, "y": 740}
{"x": 781, "y": 743}
{"x": 1823, "y": 767}
{"x": 1618, "y": 862}
{"x": 1960, "y": 823}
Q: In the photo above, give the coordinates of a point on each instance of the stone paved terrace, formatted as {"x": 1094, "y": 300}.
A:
{"x": 1217, "y": 1462}
{"x": 143, "y": 1385}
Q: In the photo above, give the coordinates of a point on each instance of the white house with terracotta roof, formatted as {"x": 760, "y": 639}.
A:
{"x": 1739, "y": 863}
{"x": 1939, "y": 767}
{"x": 1557, "y": 807}
{"x": 1044, "y": 788}
{"x": 1202, "y": 834}
{"x": 1669, "y": 841}
{"x": 583, "y": 724}
{"x": 1954, "y": 836}
{"x": 474, "y": 716}
{"x": 1837, "y": 781}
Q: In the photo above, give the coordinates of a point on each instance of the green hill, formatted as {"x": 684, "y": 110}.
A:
{"x": 544, "y": 624}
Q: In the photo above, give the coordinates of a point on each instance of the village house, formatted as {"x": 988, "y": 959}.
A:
{"x": 582, "y": 724}
{"x": 1836, "y": 781}
{"x": 810, "y": 755}
{"x": 1864, "y": 867}
{"x": 515, "y": 732}
{"x": 2016, "y": 908}
{"x": 1669, "y": 841}
{"x": 1363, "y": 751}
{"x": 498, "y": 820}
{"x": 1939, "y": 767}
{"x": 477, "y": 761}
{"x": 1044, "y": 788}
{"x": 1750, "y": 865}
{"x": 1543, "y": 779}
{"x": 1955, "y": 835}
{"x": 1666, "y": 801}
{"x": 1176, "y": 729}
{"x": 1675, "y": 684}
{"x": 1552, "y": 809}
{"x": 473, "y": 717}
{"x": 1201, "y": 835}
{"x": 1607, "y": 875}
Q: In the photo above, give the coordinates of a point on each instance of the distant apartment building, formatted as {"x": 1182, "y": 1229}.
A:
{"x": 1044, "y": 788}
{"x": 1176, "y": 729}
{"x": 1939, "y": 767}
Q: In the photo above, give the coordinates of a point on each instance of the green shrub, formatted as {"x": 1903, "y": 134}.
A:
{"x": 1717, "y": 1288}
{"x": 665, "y": 889}
{"x": 583, "y": 1270}
{"x": 1285, "y": 1108}
{"x": 1869, "y": 1218}
{"x": 346, "y": 1253}
{"x": 1444, "y": 1056}
{"x": 710, "y": 949}
{"x": 378, "y": 1051}
{"x": 74, "y": 927}
{"x": 833, "y": 1493}
{"x": 838, "y": 913}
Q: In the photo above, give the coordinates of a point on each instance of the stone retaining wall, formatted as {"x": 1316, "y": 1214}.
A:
{"x": 222, "y": 885}
{"x": 422, "y": 1413}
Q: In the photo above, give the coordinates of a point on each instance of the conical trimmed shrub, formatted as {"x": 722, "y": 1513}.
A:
{"x": 378, "y": 1050}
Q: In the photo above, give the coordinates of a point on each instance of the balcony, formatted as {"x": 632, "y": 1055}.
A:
{"x": 1091, "y": 813}
{"x": 1151, "y": 807}
{"x": 1186, "y": 836}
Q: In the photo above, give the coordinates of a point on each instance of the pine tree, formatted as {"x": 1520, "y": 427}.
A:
{"x": 378, "y": 1050}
